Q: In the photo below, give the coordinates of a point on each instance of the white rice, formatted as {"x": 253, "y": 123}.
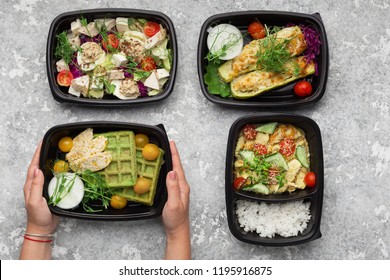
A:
{"x": 267, "y": 219}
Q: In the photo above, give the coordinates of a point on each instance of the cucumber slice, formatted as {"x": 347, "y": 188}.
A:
{"x": 257, "y": 188}
{"x": 302, "y": 156}
{"x": 248, "y": 155}
{"x": 278, "y": 160}
{"x": 268, "y": 128}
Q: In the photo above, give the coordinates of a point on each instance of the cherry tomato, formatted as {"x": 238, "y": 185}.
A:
{"x": 287, "y": 147}
{"x": 60, "y": 166}
{"x": 64, "y": 78}
{"x": 250, "y": 132}
{"x": 112, "y": 41}
{"x": 148, "y": 64}
{"x": 118, "y": 202}
{"x": 256, "y": 30}
{"x": 151, "y": 28}
{"x": 260, "y": 149}
{"x": 303, "y": 88}
{"x": 150, "y": 152}
{"x": 239, "y": 183}
{"x": 141, "y": 140}
{"x": 142, "y": 185}
{"x": 65, "y": 144}
{"x": 310, "y": 179}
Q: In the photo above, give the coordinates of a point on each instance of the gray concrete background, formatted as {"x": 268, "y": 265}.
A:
{"x": 353, "y": 116}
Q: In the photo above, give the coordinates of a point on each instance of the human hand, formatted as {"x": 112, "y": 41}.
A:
{"x": 39, "y": 218}
{"x": 176, "y": 211}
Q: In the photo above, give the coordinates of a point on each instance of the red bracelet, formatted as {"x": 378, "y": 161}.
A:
{"x": 37, "y": 240}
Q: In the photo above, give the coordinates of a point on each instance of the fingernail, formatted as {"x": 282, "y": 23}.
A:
{"x": 172, "y": 175}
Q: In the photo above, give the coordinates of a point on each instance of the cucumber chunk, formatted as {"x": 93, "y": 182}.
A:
{"x": 248, "y": 155}
{"x": 302, "y": 156}
{"x": 257, "y": 188}
{"x": 278, "y": 160}
{"x": 268, "y": 128}
{"x": 167, "y": 64}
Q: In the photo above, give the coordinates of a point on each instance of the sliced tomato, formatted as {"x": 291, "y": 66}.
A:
{"x": 272, "y": 173}
{"x": 151, "y": 28}
{"x": 250, "y": 132}
{"x": 260, "y": 149}
{"x": 303, "y": 88}
{"x": 257, "y": 30}
{"x": 148, "y": 64}
{"x": 112, "y": 41}
{"x": 64, "y": 78}
{"x": 310, "y": 179}
{"x": 287, "y": 147}
{"x": 239, "y": 183}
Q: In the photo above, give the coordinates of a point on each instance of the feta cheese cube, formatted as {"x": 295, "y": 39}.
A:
{"x": 96, "y": 83}
{"x": 81, "y": 84}
{"x": 122, "y": 24}
{"x": 162, "y": 73}
{"x": 74, "y": 40}
{"x": 152, "y": 81}
{"x": 90, "y": 30}
{"x": 75, "y": 26}
{"x": 156, "y": 39}
{"x": 116, "y": 75}
{"x": 74, "y": 92}
{"x": 62, "y": 65}
{"x": 119, "y": 59}
{"x": 108, "y": 22}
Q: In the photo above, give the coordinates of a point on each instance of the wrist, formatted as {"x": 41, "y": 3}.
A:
{"x": 179, "y": 233}
{"x": 31, "y": 228}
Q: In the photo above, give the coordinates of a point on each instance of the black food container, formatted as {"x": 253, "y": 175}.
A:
{"x": 133, "y": 211}
{"x": 312, "y": 195}
{"x": 62, "y": 23}
{"x": 282, "y": 97}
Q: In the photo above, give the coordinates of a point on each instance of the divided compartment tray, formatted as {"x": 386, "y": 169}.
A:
{"x": 282, "y": 97}
{"x": 314, "y": 195}
{"x": 133, "y": 210}
{"x": 62, "y": 22}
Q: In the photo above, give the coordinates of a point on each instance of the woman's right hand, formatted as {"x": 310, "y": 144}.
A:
{"x": 176, "y": 211}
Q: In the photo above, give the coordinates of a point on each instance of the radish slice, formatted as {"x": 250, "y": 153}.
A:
{"x": 225, "y": 34}
{"x": 76, "y": 193}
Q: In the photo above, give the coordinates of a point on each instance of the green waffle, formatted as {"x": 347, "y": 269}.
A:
{"x": 122, "y": 171}
{"x": 147, "y": 169}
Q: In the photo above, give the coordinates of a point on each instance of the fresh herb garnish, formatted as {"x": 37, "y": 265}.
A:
{"x": 102, "y": 31}
{"x": 281, "y": 178}
{"x": 137, "y": 73}
{"x": 95, "y": 189}
{"x": 62, "y": 188}
{"x": 215, "y": 55}
{"x": 273, "y": 53}
{"x": 84, "y": 23}
{"x": 140, "y": 74}
{"x": 260, "y": 167}
{"x": 142, "y": 21}
{"x": 64, "y": 49}
{"x": 110, "y": 87}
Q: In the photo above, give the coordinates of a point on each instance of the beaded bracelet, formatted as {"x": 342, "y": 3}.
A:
{"x": 37, "y": 240}
{"x": 49, "y": 235}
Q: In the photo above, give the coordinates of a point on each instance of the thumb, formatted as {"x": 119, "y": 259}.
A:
{"x": 173, "y": 187}
{"x": 37, "y": 186}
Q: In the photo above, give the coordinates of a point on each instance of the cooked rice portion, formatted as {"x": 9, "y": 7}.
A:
{"x": 268, "y": 219}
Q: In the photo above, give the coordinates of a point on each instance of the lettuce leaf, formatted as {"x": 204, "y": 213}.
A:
{"x": 214, "y": 83}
